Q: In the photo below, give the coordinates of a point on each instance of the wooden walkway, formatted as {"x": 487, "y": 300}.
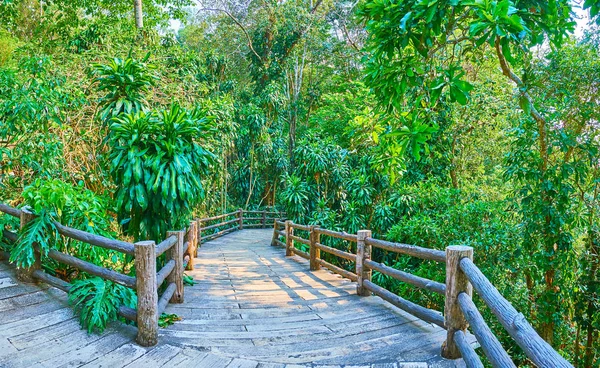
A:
{"x": 252, "y": 307}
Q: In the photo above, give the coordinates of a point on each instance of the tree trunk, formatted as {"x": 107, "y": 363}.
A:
{"x": 139, "y": 17}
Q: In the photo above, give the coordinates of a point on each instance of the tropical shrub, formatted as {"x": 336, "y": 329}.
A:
{"x": 157, "y": 162}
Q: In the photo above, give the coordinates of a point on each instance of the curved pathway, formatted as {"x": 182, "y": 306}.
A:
{"x": 252, "y": 307}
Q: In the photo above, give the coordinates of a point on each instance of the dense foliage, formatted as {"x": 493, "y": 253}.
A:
{"x": 432, "y": 123}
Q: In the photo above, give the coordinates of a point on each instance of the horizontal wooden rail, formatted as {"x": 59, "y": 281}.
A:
{"x": 300, "y": 227}
{"x": 10, "y": 210}
{"x": 406, "y": 277}
{"x": 278, "y": 242}
{"x": 164, "y": 272}
{"x": 280, "y": 223}
{"x": 165, "y": 245}
{"x": 265, "y": 212}
{"x": 165, "y": 297}
{"x": 490, "y": 345}
{"x": 416, "y": 310}
{"x": 335, "y": 269}
{"x": 220, "y": 224}
{"x": 92, "y": 268}
{"x": 337, "y": 234}
{"x": 251, "y": 226}
{"x": 301, "y": 253}
{"x": 336, "y": 252}
{"x": 98, "y": 240}
{"x": 300, "y": 240}
{"x": 218, "y": 217}
{"x": 219, "y": 234}
{"x": 536, "y": 349}
{"x": 467, "y": 351}
{"x": 411, "y": 250}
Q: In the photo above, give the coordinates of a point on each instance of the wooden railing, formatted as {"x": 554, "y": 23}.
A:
{"x": 233, "y": 221}
{"x": 179, "y": 247}
{"x": 460, "y": 313}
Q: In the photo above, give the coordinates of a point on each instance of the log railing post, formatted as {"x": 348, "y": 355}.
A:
{"x": 363, "y": 252}
{"x": 241, "y": 218}
{"x": 315, "y": 253}
{"x": 289, "y": 243}
{"x": 456, "y": 283}
{"x": 147, "y": 294}
{"x": 275, "y": 235}
{"x": 26, "y": 274}
{"x": 264, "y": 219}
{"x": 176, "y": 276}
{"x": 192, "y": 239}
{"x": 198, "y": 236}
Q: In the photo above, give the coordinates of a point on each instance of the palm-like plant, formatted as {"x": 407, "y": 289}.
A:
{"x": 125, "y": 81}
{"x": 157, "y": 162}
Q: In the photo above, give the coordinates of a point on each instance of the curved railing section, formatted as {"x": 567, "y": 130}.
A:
{"x": 462, "y": 277}
{"x": 179, "y": 250}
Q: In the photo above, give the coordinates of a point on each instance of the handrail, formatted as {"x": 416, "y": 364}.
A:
{"x": 166, "y": 245}
{"x": 461, "y": 276}
{"x": 93, "y": 239}
{"x": 411, "y": 250}
{"x": 536, "y": 348}
{"x": 337, "y": 234}
{"x": 239, "y": 222}
{"x": 146, "y": 282}
{"x": 10, "y": 210}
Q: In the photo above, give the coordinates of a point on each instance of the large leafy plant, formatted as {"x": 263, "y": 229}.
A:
{"x": 125, "y": 82}
{"x": 157, "y": 163}
{"x": 98, "y": 301}
{"x": 74, "y": 206}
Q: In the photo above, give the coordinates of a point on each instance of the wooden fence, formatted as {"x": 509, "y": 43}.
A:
{"x": 179, "y": 247}
{"x": 460, "y": 313}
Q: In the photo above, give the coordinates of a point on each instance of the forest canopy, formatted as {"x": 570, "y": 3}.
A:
{"x": 429, "y": 122}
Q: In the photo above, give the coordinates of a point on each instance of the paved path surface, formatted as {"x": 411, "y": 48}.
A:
{"x": 252, "y": 307}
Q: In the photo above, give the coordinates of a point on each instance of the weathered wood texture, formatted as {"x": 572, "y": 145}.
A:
{"x": 315, "y": 252}
{"x": 337, "y": 234}
{"x": 98, "y": 240}
{"x": 411, "y": 250}
{"x": 147, "y": 312}
{"x": 165, "y": 271}
{"x": 423, "y": 313}
{"x": 165, "y": 297}
{"x": 456, "y": 283}
{"x": 420, "y": 282}
{"x": 335, "y": 269}
{"x": 289, "y": 242}
{"x": 166, "y": 245}
{"x": 335, "y": 252}
{"x": 536, "y": 349}
{"x": 363, "y": 255}
{"x": 92, "y": 269}
{"x": 14, "y": 212}
{"x": 467, "y": 351}
{"x": 492, "y": 348}
{"x": 193, "y": 245}
{"x": 176, "y": 277}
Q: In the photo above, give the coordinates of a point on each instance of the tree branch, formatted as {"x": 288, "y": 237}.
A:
{"x": 540, "y": 120}
{"x": 237, "y": 22}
